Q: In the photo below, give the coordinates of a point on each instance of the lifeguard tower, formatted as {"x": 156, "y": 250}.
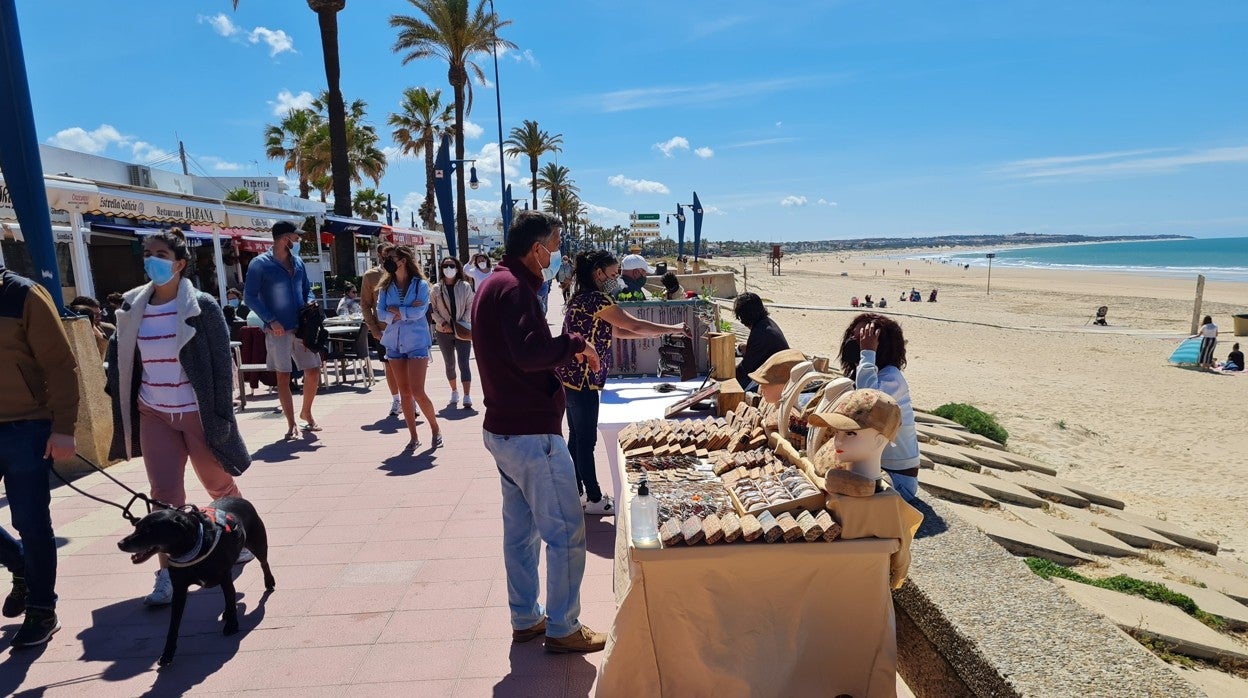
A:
{"x": 776, "y": 254}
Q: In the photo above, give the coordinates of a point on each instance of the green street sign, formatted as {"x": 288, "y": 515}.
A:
{"x": 647, "y": 217}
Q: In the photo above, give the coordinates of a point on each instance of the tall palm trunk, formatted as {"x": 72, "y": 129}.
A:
{"x": 533, "y": 169}
{"x": 305, "y": 187}
{"x": 344, "y": 245}
{"x": 458, "y": 78}
{"x": 427, "y": 210}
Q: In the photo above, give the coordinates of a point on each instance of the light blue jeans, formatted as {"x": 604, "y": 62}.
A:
{"x": 540, "y": 503}
{"x": 906, "y": 486}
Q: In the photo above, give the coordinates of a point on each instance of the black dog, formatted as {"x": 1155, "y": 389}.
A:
{"x": 202, "y": 545}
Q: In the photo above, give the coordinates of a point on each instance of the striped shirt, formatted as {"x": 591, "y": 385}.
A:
{"x": 165, "y": 386}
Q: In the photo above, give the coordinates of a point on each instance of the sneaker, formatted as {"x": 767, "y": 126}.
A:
{"x": 602, "y": 507}
{"x": 584, "y": 501}
{"x": 395, "y": 406}
{"x": 162, "y": 592}
{"x": 467, "y": 402}
{"x": 583, "y": 640}
{"x": 455, "y": 397}
{"x": 15, "y": 602}
{"x": 38, "y": 628}
{"x": 529, "y": 633}
{"x": 244, "y": 556}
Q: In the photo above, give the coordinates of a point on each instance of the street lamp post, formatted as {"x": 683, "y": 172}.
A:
{"x": 990, "y": 255}
{"x": 502, "y": 163}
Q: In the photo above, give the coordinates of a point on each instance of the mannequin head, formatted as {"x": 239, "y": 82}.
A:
{"x": 865, "y": 422}
{"x": 775, "y": 373}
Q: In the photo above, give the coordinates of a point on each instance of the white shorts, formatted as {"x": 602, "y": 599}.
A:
{"x": 286, "y": 348}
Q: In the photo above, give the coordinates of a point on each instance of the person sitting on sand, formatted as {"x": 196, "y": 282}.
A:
{"x": 671, "y": 288}
{"x": 873, "y": 352}
{"x": 1234, "y": 360}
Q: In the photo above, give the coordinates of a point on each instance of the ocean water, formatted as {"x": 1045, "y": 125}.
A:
{"x": 1224, "y": 259}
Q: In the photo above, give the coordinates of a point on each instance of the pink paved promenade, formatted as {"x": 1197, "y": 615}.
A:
{"x": 389, "y": 575}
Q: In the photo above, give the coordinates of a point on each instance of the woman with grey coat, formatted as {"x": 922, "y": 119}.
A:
{"x": 169, "y": 376}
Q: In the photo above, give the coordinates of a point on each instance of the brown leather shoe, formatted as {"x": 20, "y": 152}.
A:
{"x": 529, "y": 633}
{"x": 583, "y": 640}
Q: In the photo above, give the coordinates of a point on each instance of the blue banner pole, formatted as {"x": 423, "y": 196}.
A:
{"x": 19, "y": 156}
{"x": 442, "y": 189}
{"x": 697, "y": 226}
{"x": 680, "y": 231}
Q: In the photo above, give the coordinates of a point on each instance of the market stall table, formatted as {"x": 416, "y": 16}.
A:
{"x": 628, "y": 400}
{"x": 751, "y": 619}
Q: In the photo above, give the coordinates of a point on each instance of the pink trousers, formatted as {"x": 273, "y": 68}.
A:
{"x": 167, "y": 441}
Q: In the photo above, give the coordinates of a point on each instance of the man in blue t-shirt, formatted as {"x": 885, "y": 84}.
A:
{"x": 276, "y": 290}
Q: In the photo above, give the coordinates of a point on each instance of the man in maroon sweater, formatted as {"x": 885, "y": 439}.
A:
{"x": 524, "y": 405}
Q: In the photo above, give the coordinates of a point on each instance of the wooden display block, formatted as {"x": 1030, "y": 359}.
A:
{"x": 723, "y": 355}
{"x": 730, "y": 395}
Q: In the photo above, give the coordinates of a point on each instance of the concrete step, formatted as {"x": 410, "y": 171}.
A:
{"x": 943, "y": 434}
{"x": 998, "y": 489}
{"x": 1030, "y": 463}
{"x": 1207, "y": 571}
{"x": 1043, "y": 486}
{"x": 988, "y": 458}
{"x": 1176, "y": 533}
{"x": 943, "y": 485}
{"x": 1127, "y": 532}
{"x": 1089, "y": 539}
{"x": 1020, "y": 538}
{"x": 1180, "y": 632}
{"x": 941, "y": 453}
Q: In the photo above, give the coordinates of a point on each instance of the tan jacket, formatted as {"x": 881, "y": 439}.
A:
{"x": 38, "y": 371}
{"x": 368, "y": 299}
{"x": 440, "y": 307}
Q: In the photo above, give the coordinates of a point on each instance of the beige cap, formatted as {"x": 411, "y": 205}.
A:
{"x": 776, "y": 369}
{"x": 862, "y": 409}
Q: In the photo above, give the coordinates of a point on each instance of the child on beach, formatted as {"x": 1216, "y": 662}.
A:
{"x": 873, "y": 352}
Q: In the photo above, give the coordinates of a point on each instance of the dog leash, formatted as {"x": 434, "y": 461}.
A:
{"x": 135, "y": 496}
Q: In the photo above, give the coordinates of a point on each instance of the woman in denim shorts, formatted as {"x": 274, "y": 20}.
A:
{"x": 403, "y": 301}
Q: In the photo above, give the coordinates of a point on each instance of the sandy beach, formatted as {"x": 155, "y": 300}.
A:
{"x": 1099, "y": 404}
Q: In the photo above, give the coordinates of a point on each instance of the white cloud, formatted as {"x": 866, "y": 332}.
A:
{"x": 603, "y": 215}
{"x": 637, "y": 186}
{"x": 714, "y": 211}
{"x": 1120, "y": 163}
{"x": 487, "y": 167}
{"x": 824, "y": 202}
{"x": 287, "y": 102}
{"x": 145, "y": 153}
{"x": 220, "y": 165}
{"x": 779, "y": 124}
{"x": 673, "y": 144}
{"x": 704, "y": 152}
{"x": 793, "y": 201}
{"x": 525, "y": 56}
{"x": 84, "y": 141}
{"x": 220, "y": 24}
{"x": 278, "y": 40}
{"x": 700, "y": 95}
{"x": 472, "y": 131}
{"x": 761, "y": 142}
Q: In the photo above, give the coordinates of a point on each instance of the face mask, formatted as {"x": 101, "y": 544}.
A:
{"x": 634, "y": 284}
{"x": 483, "y": 266}
{"x": 294, "y": 249}
{"x": 234, "y": 302}
{"x": 556, "y": 258}
{"x": 610, "y": 285}
{"x": 160, "y": 271}
{"x": 449, "y": 273}
{"x": 390, "y": 266}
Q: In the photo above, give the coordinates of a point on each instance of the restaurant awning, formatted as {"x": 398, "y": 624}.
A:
{"x": 64, "y": 194}
{"x": 355, "y": 226}
{"x": 252, "y": 218}
{"x": 412, "y": 236}
{"x": 141, "y": 204}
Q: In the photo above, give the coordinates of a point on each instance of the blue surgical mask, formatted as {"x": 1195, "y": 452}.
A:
{"x": 294, "y": 249}
{"x": 556, "y": 259}
{"x": 234, "y": 302}
{"x": 160, "y": 271}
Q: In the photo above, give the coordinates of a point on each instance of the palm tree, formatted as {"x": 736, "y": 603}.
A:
{"x": 290, "y": 141}
{"x": 327, "y": 18}
{"x": 369, "y": 204}
{"x": 449, "y": 32}
{"x": 243, "y": 195}
{"x": 557, "y": 181}
{"x": 323, "y": 184}
{"x": 420, "y": 124}
{"x": 364, "y": 158}
{"x": 534, "y": 142}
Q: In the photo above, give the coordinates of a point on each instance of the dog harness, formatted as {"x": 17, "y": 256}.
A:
{"x": 226, "y": 524}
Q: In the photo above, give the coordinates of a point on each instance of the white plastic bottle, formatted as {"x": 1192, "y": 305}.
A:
{"x": 643, "y": 518}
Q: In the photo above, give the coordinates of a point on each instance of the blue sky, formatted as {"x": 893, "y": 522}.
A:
{"x": 821, "y": 120}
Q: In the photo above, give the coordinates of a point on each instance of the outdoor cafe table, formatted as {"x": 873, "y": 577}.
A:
{"x": 751, "y": 619}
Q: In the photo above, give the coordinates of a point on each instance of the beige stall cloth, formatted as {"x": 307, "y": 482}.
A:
{"x": 882, "y": 515}
{"x": 752, "y": 619}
